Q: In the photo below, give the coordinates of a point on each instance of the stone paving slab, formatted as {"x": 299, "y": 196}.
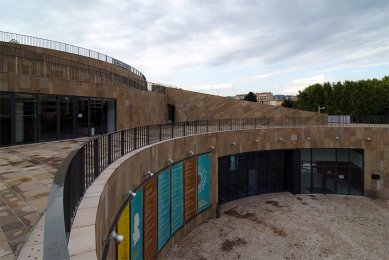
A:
{"x": 285, "y": 226}
{"x": 26, "y": 174}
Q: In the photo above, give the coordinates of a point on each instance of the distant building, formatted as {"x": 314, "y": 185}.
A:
{"x": 240, "y": 96}
{"x": 264, "y": 97}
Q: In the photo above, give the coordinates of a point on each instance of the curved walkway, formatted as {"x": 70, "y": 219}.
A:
{"x": 26, "y": 174}
{"x": 285, "y": 226}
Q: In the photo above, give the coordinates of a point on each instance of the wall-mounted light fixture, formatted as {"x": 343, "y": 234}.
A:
{"x": 233, "y": 143}
{"x": 337, "y": 138}
{"x": 211, "y": 148}
{"x": 148, "y": 174}
{"x": 368, "y": 139}
{"x": 131, "y": 194}
{"x": 280, "y": 139}
{"x": 190, "y": 153}
{"x": 256, "y": 141}
{"x": 169, "y": 161}
{"x": 116, "y": 237}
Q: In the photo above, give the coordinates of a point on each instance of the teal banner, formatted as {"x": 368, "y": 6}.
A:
{"x": 177, "y": 197}
{"x": 137, "y": 225}
{"x": 203, "y": 185}
{"x": 163, "y": 208}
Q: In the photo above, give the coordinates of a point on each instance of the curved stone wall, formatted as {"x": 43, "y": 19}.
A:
{"x": 27, "y": 69}
{"x": 103, "y": 199}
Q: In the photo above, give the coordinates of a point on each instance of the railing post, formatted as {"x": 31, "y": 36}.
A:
{"x": 183, "y": 128}
{"x": 172, "y": 130}
{"x": 160, "y": 132}
{"x": 148, "y": 135}
{"x": 122, "y": 142}
{"x": 219, "y": 124}
{"x": 109, "y": 149}
{"x": 135, "y": 139}
{"x": 96, "y": 157}
{"x": 196, "y": 124}
{"x": 207, "y": 126}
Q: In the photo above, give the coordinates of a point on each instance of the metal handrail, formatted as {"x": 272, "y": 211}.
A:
{"x": 84, "y": 165}
{"x": 64, "y": 47}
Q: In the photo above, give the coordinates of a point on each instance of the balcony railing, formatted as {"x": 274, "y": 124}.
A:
{"x": 64, "y": 47}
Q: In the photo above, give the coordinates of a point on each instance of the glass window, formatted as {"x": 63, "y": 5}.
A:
{"x": 83, "y": 117}
{"x": 356, "y": 172}
{"x": 96, "y": 110}
{"x": 48, "y": 117}
{"x": 66, "y": 117}
{"x": 5, "y": 119}
{"x": 25, "y": 118}
{"x": 109, "y": 116}
{"x": 306, "y": 171}
{"x": 321, "y": 159}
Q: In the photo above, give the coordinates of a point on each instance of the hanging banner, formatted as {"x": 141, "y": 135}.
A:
{"x": 177, "y": 198}
{"x": 190, "y": 188}
{"x": 163, "y": 208}
{"x": 137, "y": 225}
{"x": 123, "y": 228}
{"x": 150, "y": 219}
{"x": 203, "y": 185}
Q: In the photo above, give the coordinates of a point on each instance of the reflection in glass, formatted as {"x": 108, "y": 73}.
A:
{"x": 66, "y": 117}
{"x": 306, "y": 171}
{"x": 25, "y": 118}
{"x": 5, "y": 119}
{"x": 83, "y": 117}
{"x": 48, "y": 117}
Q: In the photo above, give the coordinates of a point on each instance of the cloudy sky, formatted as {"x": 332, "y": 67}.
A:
{"x": 220, "y": 47}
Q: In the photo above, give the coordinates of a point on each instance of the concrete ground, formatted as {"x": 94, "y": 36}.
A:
{"x": 286, "y": 226}
{"x": 26, "y": 174}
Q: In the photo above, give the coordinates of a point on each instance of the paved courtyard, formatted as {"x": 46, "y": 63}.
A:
{"x": 285, "y": 226}
{"x": 26, "y": 174}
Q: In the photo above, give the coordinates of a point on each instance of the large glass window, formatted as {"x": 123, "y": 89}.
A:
{"x": 334, "y": 171}
{"x": 48, "y": 117}
{"x": 25, "y": 118}
{"x": 5, "y": 119}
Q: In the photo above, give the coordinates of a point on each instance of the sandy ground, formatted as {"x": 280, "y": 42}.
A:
{"x": 286, "y": 226}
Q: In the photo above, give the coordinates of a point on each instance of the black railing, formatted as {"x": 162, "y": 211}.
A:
{"x": 64, "y": 47}
{"x": 86, "y": 163}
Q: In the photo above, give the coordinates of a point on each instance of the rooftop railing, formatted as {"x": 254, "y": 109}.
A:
{"x": 64, "y": 47}
{"x": 84, "y": 165}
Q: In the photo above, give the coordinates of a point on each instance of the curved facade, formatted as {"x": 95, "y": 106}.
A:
{"x": 49, "y": 94}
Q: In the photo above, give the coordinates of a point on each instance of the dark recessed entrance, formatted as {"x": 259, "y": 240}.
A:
{"x": 327, "y": 171}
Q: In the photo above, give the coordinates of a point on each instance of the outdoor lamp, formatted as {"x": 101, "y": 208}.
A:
{"x": 148, "y": 174}
{"x": 115, "y": 236}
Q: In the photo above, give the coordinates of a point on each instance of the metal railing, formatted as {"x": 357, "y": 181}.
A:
{"x": 64, "y": 47}
{"x": 85, "y": 164}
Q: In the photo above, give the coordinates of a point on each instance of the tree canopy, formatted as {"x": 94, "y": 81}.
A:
{"x": 250, "y": 97}
{"x": 363, "y": 97}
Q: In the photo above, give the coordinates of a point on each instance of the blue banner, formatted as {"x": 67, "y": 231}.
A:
{"x": 177, "y": 197}
{"x": 203, "y": 185}
{"x": 163, "y": 208}
{"x": 137, "y": 225}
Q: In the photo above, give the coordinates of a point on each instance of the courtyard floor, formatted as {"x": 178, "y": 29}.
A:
{"x": 26, "y": 174}
{"x": 287, "y": 226}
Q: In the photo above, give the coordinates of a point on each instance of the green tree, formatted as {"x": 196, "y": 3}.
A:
{"x": 250, "y": 97}
{"x": 289, "y": 103}
{"x": 363, "y": 97}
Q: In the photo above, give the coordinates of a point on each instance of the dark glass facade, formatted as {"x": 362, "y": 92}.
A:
{"x": 28, "y": 118}
{"x": 327, "y": 171}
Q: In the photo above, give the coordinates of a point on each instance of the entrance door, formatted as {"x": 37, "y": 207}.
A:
{"x": 331, "y": 176}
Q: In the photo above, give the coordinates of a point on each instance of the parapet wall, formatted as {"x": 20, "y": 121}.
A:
{"x": 103, "y": 199}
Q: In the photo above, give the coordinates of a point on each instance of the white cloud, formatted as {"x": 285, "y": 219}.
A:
{"x": 299, "y": 84}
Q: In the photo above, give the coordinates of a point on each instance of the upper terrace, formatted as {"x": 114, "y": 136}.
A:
{"x": 64, "y": 47}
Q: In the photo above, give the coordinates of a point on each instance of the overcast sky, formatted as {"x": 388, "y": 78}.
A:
{"x": 220, "y": 47}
